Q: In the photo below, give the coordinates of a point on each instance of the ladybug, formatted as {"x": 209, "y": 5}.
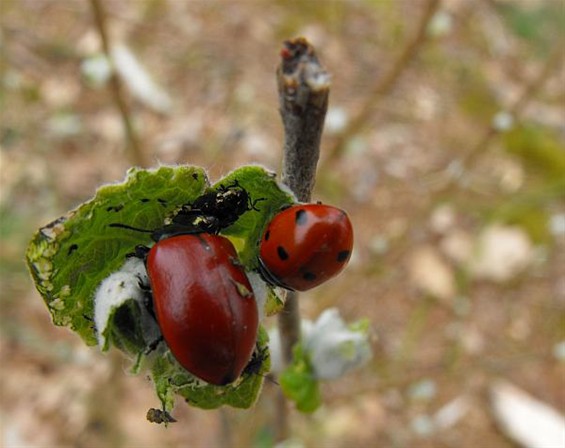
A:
{"x": 305, "y": 245}
{"x": 203, "y": 303}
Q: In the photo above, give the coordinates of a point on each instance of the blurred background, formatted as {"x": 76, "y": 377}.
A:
{"x": 445, "y": 142}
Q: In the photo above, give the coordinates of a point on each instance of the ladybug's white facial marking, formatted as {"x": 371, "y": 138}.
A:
{"x": 301, "y": 217}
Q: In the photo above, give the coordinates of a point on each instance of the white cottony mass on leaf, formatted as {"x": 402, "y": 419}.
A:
{"x": 117, "y": 289}
{"x": 333, "y": 347}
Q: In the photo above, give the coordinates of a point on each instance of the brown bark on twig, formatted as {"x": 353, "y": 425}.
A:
{"x": 303, "y": 97}
{"x": 134, "y": 150}
{"x": 303, "y": 86}
{"x": 385, "y": 83}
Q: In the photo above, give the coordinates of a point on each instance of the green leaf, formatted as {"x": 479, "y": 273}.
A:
{"x": 72, "y": 257}
{"x": 69, "y": 257}
{"x": 299, "y": 383}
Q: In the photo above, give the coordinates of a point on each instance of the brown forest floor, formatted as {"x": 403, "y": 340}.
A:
{"x": 423, "y": 176}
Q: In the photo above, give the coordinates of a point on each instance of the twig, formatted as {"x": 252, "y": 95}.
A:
{"x": 303, "y": 87}
{"x": 135, "y": 153}
{"x": 385, "y": 83}
{"x": 303, "y": 97}
{"x": 516, "y": 109}
{"x": 226, "y": 433}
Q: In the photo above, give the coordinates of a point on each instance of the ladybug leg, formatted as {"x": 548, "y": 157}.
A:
{"x": 224, "y": 188}
{"x": 253, "y": 204}
{"x": 143, "y": 286}
{"x": 153, "y": 345}
{"x": 270, "y": 278}
{"x": 140, "y": 252}
{"x": 284, "y": 207}
{"x": 147, "y": 296}
{"x": 148, "y": 303}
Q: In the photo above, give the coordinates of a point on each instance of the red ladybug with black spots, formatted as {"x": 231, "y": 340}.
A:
{"x": 305, "y": 245}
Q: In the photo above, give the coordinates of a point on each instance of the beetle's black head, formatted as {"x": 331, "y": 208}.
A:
{"x": 226, "y": 204}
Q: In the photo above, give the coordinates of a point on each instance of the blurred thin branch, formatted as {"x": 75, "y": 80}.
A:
{"x": 449, "y": 181}
{"x": 386, "y": 82}
{"x": 135, "y": 151}
{"x": 554, "y": 60}
{"x": 226, "y": 432}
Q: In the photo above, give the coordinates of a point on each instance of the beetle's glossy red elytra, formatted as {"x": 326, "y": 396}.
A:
{"x": 204, "y": 305}
{"x": 305, "y": 245}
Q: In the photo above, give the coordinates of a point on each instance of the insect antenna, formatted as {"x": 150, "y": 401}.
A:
{"x": 125, "y": 226}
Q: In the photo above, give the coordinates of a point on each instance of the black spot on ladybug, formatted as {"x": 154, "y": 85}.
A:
{"x": 342, "y": 256}
{"x": 301, "y": 217}
{"x": 267, "y": 235}
{"x": 195, "y": 176}
{"x": 115, "y": 208}
{"x": 283, "y": 255}
{"x": 145, "y": 200}
{"x": 72, "y": 248}
{"x": 309, "y": 276}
